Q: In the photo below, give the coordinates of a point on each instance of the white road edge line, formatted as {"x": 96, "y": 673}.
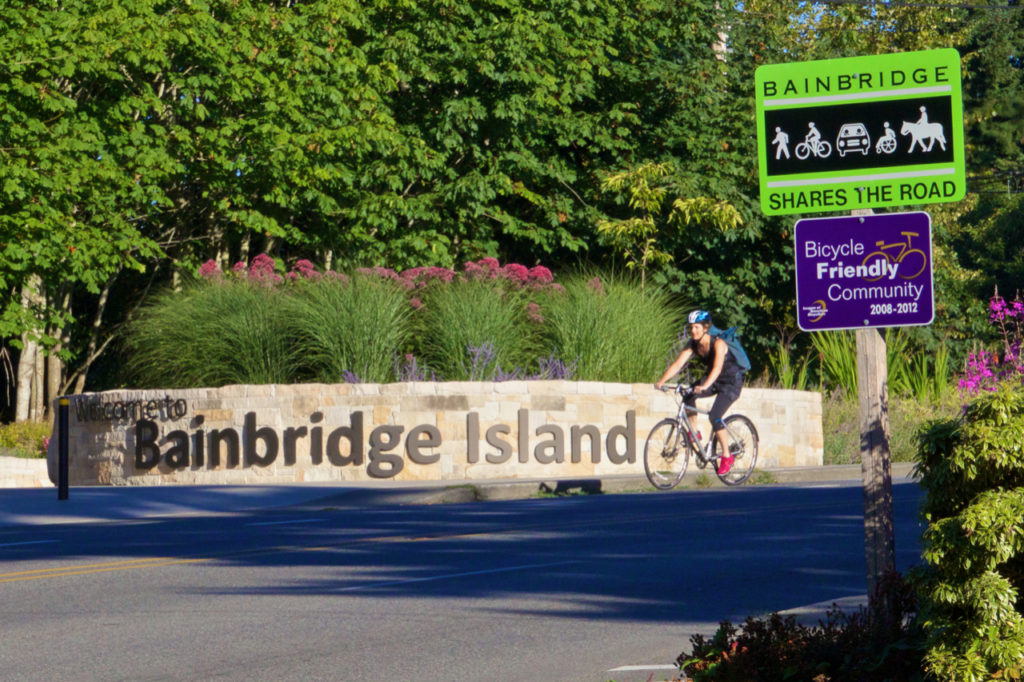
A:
{"x": 634, "y": 668}
{"x": 282, "y": 523}
{"x": 455, "y": 575}
{"x": 29, "y": 542}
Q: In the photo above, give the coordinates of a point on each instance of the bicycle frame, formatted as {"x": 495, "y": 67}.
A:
{"x": 703, "y": 447}
{"x": 903, "y": 246}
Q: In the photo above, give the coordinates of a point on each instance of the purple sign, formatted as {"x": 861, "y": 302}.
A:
{"x": 864, "y": 271}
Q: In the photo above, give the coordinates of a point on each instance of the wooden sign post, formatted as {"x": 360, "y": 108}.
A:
{"x": 875, "y": 459}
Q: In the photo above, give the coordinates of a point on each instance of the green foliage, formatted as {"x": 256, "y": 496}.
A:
{"x": 348, "y": 330}
{"x": 843, "y": 647}
{"x": 138, "y": 139}
{"x": 841, "y": 424}
{"x": 212, "y": 334}
{"x": 972, "y": 586}
{"x": 475, "y": 330}
{"x": 25, "y": 439}
{"x": 791, "y": 373}
{"x": 837, "y": 352}
{"x": 637, "y": 237}
{"x": 611, "y": 328}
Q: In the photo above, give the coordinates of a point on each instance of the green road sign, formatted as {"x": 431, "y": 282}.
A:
{"x": 860, "y": 132}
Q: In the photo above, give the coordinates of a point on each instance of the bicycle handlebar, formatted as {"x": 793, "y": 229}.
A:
{"x": 676, "y": 388}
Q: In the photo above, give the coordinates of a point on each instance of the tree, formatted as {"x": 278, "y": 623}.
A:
{"x": 637, "y": 237}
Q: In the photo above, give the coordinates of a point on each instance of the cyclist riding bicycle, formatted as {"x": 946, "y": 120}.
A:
{"x": 723, "y": 378}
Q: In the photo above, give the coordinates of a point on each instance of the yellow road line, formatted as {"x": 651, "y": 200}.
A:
{"x": 41, "y": 573}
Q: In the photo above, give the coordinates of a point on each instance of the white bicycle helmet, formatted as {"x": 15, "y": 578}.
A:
{"x": 698, "y": 316}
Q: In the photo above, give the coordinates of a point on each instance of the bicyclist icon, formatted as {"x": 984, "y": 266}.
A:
{"x": 813, "y": 144}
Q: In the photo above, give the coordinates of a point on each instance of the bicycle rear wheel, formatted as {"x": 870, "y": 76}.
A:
{"x": 742, "y": 437}
{"x": 666, "y": 455}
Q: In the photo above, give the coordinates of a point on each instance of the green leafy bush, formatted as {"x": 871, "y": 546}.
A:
{"x": 972, "y": 585}
{"x": 25, "y": 439}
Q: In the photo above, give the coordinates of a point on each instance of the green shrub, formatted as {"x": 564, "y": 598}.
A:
{"x": 347, "y": 330}
{"x": 837, "y": 353}
{"x": 475, "y": 329}
{"x": 972, "y": 586}
{"x": 25, "y": 439}
{"x": 212, "y": 334}
{"x": 613, "y": 330}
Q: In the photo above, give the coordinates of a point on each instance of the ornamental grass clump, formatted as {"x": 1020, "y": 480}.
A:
{"x": 348, "y": 331}
{"x": 258, "y": 323}
{"x": 483, "y": 323}
{"x": 611, "y": 329}
{"x": 474, "y": 329}
{"x": 212, "y": 334}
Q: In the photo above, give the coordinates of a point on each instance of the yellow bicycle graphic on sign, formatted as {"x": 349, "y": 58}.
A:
{"x": 907, "y": 258}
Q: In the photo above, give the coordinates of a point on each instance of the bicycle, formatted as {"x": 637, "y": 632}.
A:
{"x": 820, "y": 148}
{"x": 668, "y": 447}
{"x": 905, "y": 252}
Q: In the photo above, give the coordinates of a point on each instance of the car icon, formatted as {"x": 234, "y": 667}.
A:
{"x": 853, "y": 137}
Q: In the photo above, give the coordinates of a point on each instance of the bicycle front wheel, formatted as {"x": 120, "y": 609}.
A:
{"x": 742, "y": 437}
{"x": 666, "y": 455}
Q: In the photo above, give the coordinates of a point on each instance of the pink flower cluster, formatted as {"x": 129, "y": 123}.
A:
{"x": 490, "y": 268}
{"x": 262, "y": 270}
{"x": 986, "y": 369}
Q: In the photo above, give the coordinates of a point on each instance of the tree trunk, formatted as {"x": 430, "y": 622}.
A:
{"x": 23, "y": 402}
{"x": 246, "y": 246}
{"x": 39, "y": 387}
{"x": 26, "y": 370}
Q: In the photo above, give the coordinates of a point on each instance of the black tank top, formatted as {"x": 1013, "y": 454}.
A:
{"x": 730, "y": 369}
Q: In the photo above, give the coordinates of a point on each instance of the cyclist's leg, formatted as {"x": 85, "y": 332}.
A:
{"x": 690, "y": 400}
{"x": 726, "y": 396}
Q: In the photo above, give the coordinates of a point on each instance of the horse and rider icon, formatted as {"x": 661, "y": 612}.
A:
{"x": 923, "y": 130}
{"x": 854, "y": 137}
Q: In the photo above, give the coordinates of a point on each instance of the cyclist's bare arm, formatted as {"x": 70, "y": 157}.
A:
{"x": 675, "y": 367}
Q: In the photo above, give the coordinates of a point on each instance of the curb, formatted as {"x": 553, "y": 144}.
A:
{"x": 630, "y": 483}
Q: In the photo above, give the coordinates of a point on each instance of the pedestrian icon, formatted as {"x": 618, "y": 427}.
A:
{"x": 781, "y": 143}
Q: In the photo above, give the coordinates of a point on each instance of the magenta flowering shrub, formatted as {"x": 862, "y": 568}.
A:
{"x": 986, "y": 369}
{"x": 263, "y": 270}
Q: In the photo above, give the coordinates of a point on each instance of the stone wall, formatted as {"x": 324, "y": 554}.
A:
{"x": 454, "y": 431}
{"x": 19, "y": 472}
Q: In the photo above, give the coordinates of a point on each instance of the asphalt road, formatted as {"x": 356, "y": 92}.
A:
{"x": 587, "y": 588}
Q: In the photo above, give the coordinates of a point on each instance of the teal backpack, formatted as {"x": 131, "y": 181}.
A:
{"x": 733, "y": 342}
